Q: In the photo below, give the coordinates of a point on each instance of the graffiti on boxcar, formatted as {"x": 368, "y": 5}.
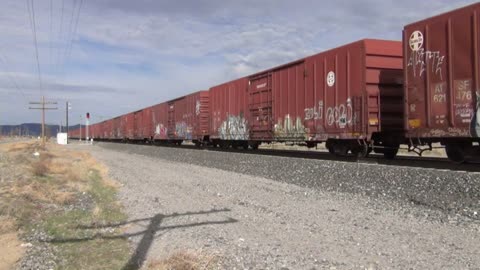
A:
{"x": 186, "y": 116}
{"x": 289, "y": 128}
{"x": 342, "y": 114}
{"x": 182, "y": 130}
{"x": 161, "y": 130}
{"x": 234, "y": 128}
{"x": 464, "y": 111}
{"x": 476, "y": 118}
{"x": 450, "y": 132}
{"x": 197, "y": 107}
{"x": 314, "y": 113}
{"x": 420, "y": 60}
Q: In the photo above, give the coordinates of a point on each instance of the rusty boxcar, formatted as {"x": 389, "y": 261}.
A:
{"x": 187, "y": 118}
{"x": 229, "y": 114}
{"x": 160, "y": 122}
{"x": 442, "y": 92}
{"x": 350, "y": 97}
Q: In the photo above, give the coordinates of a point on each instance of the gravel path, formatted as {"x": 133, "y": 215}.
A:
{"x": 253, "y": 222}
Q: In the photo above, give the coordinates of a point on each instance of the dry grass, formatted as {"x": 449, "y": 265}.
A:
{"x": 37, "y": 188}
{"x": 18, "y": 147}
{"x": 184, "y": 260}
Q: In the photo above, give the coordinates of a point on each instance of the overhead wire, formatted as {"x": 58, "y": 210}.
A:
{"x": 65, "y": 37}
{"x": 4, "y": 60}
{"x": 70, "y": 28}
{"x": 60, "y": 39}
{"x": 51, "y": 35}
{"x": 39, "y": 71}
{"x": 75, "y": 29}
{"x": 29, "y": 14}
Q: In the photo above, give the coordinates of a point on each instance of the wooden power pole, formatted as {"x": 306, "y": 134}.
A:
{"x": 43, "y": 108}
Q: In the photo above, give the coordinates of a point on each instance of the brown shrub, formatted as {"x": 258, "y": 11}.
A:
{"x": 40, "y": 168}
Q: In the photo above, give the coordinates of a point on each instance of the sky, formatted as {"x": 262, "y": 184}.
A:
{"x": 110, "y": 57}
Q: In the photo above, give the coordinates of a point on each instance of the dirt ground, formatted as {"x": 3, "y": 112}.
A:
{"x": 10, "y": 248}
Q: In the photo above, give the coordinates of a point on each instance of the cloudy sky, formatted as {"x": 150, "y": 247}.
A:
{"x": 109, "y": 57}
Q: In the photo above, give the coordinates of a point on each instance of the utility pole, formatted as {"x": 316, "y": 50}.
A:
{"x": 87, "y": 123}
{"x": 43, "y": 108}
{"x": 81, "y": 119}
{"x": 67, "y": 107}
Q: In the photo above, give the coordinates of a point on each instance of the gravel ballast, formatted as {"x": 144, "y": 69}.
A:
{"x": 456, "y": 194}
{"x": 316, "y": 215}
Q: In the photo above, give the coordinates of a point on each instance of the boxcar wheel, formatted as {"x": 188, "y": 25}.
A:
{"x": 390, "y": 153}
{"x": 341, "y": 150}
{"x": 455, "y": 152}
{"x": 361, "y": 151}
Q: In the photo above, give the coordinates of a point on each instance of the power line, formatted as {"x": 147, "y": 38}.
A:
{"x": 12, "y": 80}
{"x": 36, "y": 45}
{"x": 75, "y": 29}
{"x": 5, "y": 61}
{"x": 29, "y": 15}
{"x": 51, "y": 34}
{"x": 60, "y": 38}
{"x": 72, "y": 30}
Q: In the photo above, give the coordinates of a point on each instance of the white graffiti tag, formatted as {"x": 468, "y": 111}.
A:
{"x": 341, "y": 114}
{"x": 478, "y": 111}
{"x": 314, "y": 113}
{"x": 420, "y": 60}
{"x": 234, "y": 128}
{"x": 197, "y": 107}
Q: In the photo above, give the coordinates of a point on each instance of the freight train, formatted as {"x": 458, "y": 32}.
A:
{"x": 370, "y": 95}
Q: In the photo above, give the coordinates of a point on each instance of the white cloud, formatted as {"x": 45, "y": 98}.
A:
{"x": 130, "y": 54}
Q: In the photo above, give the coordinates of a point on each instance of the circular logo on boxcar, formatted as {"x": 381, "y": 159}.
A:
{"x": 416, "y": 41}
{"x": 331, "y": 78}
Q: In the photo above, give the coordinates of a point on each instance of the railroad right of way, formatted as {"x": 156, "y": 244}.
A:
{"x": 251, "y": 222}
{"x": 453, "y": 195}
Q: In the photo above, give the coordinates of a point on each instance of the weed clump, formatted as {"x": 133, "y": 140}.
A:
{"x": 39, "y": 168}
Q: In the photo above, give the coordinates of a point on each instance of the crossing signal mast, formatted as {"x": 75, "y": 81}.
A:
{"x": 87, "y": 120}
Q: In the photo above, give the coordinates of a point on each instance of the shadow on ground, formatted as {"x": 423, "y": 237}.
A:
{"x": 139, "y": 255}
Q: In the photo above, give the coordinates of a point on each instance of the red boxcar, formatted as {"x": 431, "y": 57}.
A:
{"x": 106, "y": 129}
{"x": 115, "y": 131}
{"x": 93, "y": 130}
{"x": 127, "y": 126}
{"x": 442, "y": 99}
{"x": 191, "y": 117}
{"x": 184, "y": 118}
{"x": 350, "y": 97}
{"x": 160, "y": 121}
{"x": 229, "y": 112}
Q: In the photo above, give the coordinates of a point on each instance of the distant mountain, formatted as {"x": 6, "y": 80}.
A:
{"x": 31, "y": 129}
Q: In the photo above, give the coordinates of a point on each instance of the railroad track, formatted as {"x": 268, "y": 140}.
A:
{"x": 439, "y": 163}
